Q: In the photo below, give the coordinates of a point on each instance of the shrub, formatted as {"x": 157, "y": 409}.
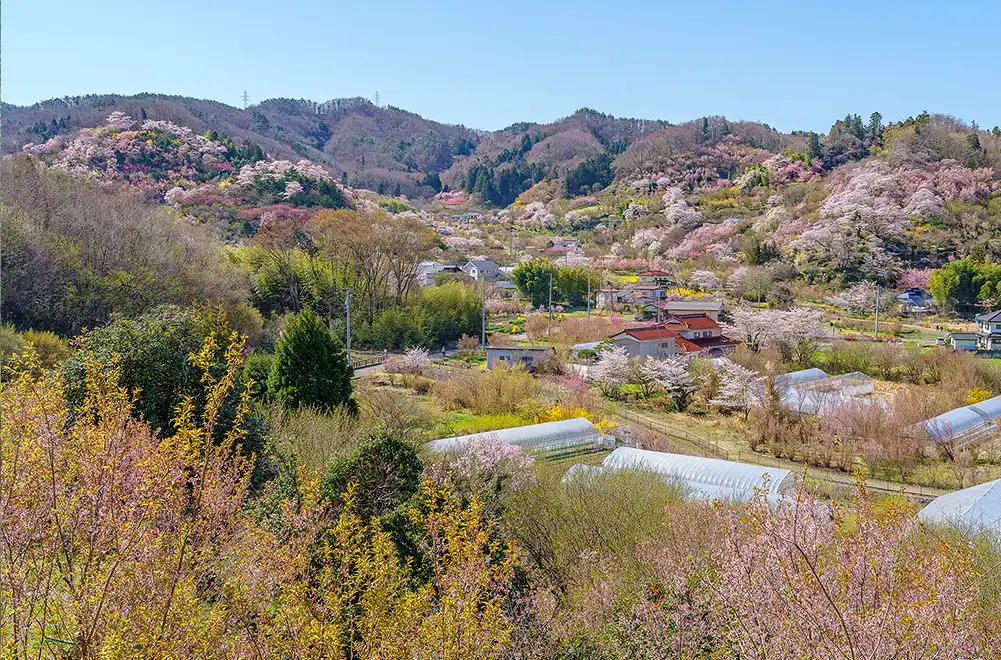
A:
{"x": 151, "y": 353}
{"x": 386, "y": 471}
{"x": 498, "y": 390}
{"x": 310, "y": 367}
{"x": 255, "y": 372}
{"x": 49, "y": 347}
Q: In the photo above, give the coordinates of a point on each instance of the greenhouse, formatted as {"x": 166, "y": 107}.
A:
{"x": 971, "y": 509}
{"x": 568, "y": 436}
{"x": 794, "y": 378}
{"x": 964, "y": 425}
{"x": 705, "y": 478}
{"x": 820, "y": 395}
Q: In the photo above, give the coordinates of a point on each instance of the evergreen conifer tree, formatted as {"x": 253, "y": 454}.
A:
{"x": 310, "y": 367}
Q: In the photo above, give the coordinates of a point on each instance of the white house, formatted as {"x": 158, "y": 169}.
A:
{"x": 481, "y": 269}
{"x": 989, "y": 334}
{"x": 651, "y": 341}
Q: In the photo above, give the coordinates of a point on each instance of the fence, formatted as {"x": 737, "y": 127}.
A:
{"x": 707, "y": 448}
{"x": 833, "y": 484}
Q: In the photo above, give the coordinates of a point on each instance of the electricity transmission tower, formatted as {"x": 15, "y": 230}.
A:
{"x": 246, "y": 99}
{"x": 377, "y": 98}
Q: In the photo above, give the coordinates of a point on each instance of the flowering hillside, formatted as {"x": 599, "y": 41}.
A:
{"x": 207, "y": 177}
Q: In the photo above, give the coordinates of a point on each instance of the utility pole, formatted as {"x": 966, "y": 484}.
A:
{"x": 659, "y": 306}
{"x": 588, "y": 294}
{"x": 347, "y": 309}
{"x": 483, "y": 314}
{"x": 549, "y": 323}
{"x": 875, "y": 332}
{"x": 246, "y": 99}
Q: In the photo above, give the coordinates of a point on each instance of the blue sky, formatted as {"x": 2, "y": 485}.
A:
{"x": 795, "y": 65}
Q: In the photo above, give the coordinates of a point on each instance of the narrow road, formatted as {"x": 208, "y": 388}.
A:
{"x": 377, "y": 368}
{"x": 702, "y": 447}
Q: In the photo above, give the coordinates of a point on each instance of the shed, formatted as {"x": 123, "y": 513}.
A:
{"x": 963, "y": 341}
{"x": 964, "y": 425}
{"x": 550, "y": 438}
{"x": 971, "y": 509}
{"x": 706, "y": 478}
{"x": 526, "y": 356}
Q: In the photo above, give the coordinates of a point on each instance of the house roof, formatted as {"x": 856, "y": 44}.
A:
{"x": 683, "y": 345}
{"x": 963, "y": 335}
{"x": 482, "y": 264}
{"x": 990, "y": 317}
{"x": 714, "y": 342}
{"x": 655, "y": 273}
{"x": 692, "y": 305}
{"x": 649, "y": 333}
{"x": 520, "y": 348}
{"x": 695, "y": 321}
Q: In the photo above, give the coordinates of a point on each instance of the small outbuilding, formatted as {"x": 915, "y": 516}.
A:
{"x": 511, "y": 356}
{"x": 963, "y": 341}
{"x": 971, "y": 509}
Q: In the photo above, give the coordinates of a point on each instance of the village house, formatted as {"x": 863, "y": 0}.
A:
{"x": 427, "y": 270}
{"x": 916, "y": 301}
{"x": 989, "y": 332}
{"x": 653, "y": 341}
{"x": 484, "y": 269}
{"x": 686, "y": 333}
{"x": 525, "y": 356}
{"x": 710, "y": 307}
{"x": 637, "y": 293}
{"x": 657, "y": 277}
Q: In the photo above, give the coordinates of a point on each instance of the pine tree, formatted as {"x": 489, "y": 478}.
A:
{"x": 310, "y": 367}
{"x": 815, "y": 151}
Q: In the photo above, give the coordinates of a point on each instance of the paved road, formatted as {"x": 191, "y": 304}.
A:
{"x": 377, "y": 368}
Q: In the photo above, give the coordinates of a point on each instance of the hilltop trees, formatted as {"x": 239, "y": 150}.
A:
{"x": 310, "y": 367}
{"x": 593, "y": 174}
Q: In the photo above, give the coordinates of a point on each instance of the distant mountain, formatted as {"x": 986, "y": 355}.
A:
{"x": 388, "y": 149}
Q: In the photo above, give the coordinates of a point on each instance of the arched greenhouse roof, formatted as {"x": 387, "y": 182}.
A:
{"x": 564, "y": 436}
{"x": 797, "y": 377}
{"x": 965, "y": 424}
{"x": 971, "y": 509}
{"x": 705, "y": 477}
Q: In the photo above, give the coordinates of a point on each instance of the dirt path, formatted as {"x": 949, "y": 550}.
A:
{"x": 697, "y": 445}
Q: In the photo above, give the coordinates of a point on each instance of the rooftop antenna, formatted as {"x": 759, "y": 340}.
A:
{"x": 246, "y": 99}
{"x": 377, "y": 98}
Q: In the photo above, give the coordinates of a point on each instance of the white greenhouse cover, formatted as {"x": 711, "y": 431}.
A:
{"x": 709, "y": 478}
{"x": 967, "y": 423}
{"x": 797, "y": 377}
{"x": 547, "y": 437}
{"x": 976, "y": 508}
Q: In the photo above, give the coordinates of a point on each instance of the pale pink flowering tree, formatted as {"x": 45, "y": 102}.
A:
{"x": 739, "y": 388}
{"x": 706, "y": 280}
{"x": 671, "y": 375}
{"x": 611, "y": 371}
{"x": 915, "y": 278}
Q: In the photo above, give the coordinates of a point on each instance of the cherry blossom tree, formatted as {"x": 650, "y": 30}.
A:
{"x": 706, "y": 280}
{"x": 739, "y": 388}
{"x": 671, "y": 374}
{"x": 611, "y": 371}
